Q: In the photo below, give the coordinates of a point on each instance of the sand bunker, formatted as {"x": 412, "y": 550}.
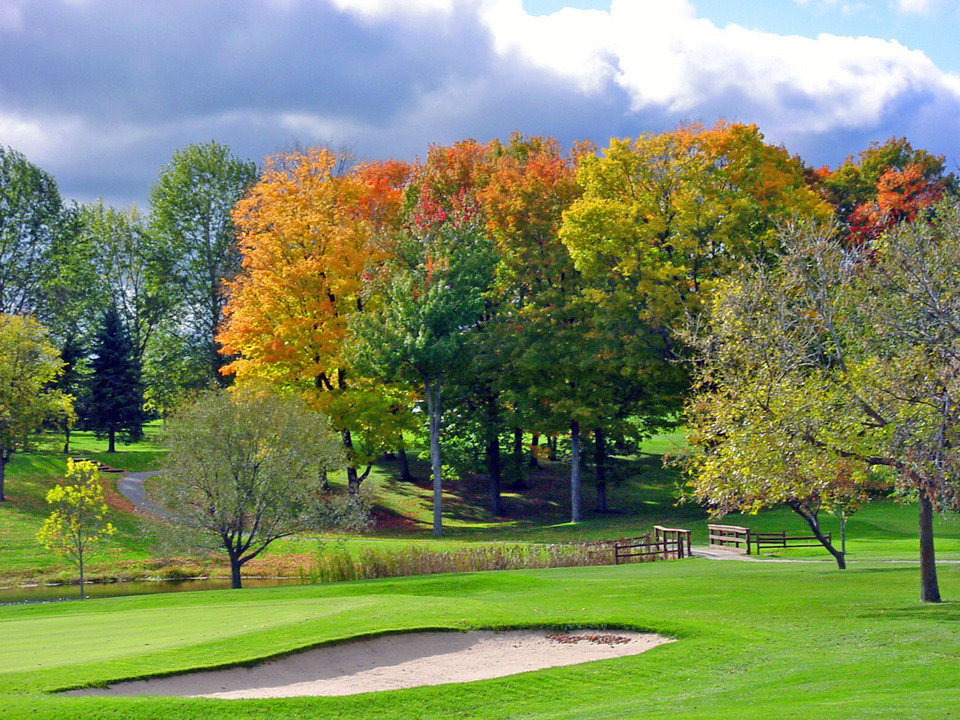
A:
{"x": 391, "y": 662}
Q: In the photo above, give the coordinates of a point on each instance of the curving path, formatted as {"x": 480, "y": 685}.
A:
{"x": 131, "y": 487}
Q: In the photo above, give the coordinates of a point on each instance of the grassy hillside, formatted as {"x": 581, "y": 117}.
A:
{"x": 645, "y": 494}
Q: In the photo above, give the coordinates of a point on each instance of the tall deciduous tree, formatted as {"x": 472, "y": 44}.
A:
{"x": 116, "y": 391}
{"x": 29, "y": 364}
{"x": 420, "y": 334}
{"x": 310, "y": 254}
{"x": 31, "y": 225}
{"x": 242, "y": 471}
{"x": 132, "y": 270}
{"x": 192, "y": 202}
{"x": 838, "y": 356}
{"x": 529, "y": 183}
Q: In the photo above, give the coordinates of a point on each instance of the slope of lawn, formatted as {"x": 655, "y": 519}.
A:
{"x": 29, "y": 477}
{"x": 643, "y": 493}
{"x": 757, "y": 641}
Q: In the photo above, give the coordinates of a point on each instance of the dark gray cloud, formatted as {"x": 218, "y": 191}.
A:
{"x": 102, "y": 92}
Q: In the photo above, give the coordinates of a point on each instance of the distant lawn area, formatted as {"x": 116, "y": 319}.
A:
{"x": 30, "y": 476}
{"x": 755, "y": 641}
{"x": 643, "y": 493}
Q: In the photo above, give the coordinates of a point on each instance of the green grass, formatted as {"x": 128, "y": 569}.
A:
{"x": 755, "y": 641}
{"x": 30, "y": 475}
{"x": 645, "y": 495}
{"x": 145, "y": 454}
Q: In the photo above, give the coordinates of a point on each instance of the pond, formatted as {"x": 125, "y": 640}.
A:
{"x": 51, "y": 593}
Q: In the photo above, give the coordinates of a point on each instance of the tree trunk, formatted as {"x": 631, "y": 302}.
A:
{"x": 552, "y": 448}
{"x": 80, "y": 568}
{"x": 4, "y": 459}
{"x": 814, "y": 523}
{"x": 600, "y": 457}
{"x": 353, "y": 479}
{"x": 493, "y": 473}
{"x": 433, "y": 411}
{"x": 235, "y": 581}
{"x": 518, "y": 480}
{"x": 112, "y": 440}
{"x": 322, "y": 479}
{"x": 66, "y": 438}
{"x": 574, "y": 471}
{"x": 534, "y": 444}
{"x": 929, "y": 587}
{"x": 405, "y": 475}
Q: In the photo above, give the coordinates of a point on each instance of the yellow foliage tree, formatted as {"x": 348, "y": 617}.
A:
{"x": 29, "y": 363}
{"x": 77, "y": 521}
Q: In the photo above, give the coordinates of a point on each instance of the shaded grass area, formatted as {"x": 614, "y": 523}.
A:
{"x": 756, "y": 641}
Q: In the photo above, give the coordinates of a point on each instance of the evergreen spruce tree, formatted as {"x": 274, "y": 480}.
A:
{"x": 116, "y": 389}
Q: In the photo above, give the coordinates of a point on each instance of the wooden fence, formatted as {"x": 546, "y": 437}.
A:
{"x": 747, "y": 541}
{"x": 732, "y": 537}
{"x": 780, "y": 539}
{"x": 665, "y": 544}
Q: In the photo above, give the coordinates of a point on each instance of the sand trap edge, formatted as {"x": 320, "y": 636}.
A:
{"x": 389, "y": 661}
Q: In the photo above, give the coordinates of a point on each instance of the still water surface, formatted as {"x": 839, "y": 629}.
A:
{"x": 49, "y": 593}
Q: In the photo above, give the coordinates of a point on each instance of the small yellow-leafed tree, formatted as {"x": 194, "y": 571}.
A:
{"x": 78, "y": 520}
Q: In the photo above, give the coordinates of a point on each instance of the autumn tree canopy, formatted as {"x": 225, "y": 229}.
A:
{"x": 307, "y": 231}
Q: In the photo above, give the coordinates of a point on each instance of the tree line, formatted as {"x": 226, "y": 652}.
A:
{"x": 501, "y": 291}
{"x": 131, "y": 301}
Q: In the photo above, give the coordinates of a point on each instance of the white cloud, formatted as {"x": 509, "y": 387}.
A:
{"x": 375, "y": 9}
{"x": 915, "y": 6}
{"x": 41, "y": 139}
{"x": 11, "y": 17}
{"x": 553, "y": 41}
{"x": 388, "y": 77}
{"x": 665, "y": 57}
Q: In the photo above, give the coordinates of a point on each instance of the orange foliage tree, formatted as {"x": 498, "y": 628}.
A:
{"x": 312, "y": 245}
{"x": 884, "y": 184}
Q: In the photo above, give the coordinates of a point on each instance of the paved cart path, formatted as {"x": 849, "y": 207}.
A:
{"x": 131, "y": 487}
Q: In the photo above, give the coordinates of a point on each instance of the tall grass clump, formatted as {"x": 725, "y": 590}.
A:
{"x": 339, "y": 564}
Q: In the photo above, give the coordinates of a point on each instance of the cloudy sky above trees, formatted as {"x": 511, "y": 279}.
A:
{"x": 101, "y": 92}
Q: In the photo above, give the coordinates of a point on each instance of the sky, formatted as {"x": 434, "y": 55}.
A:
{"x": 101, "y": 93}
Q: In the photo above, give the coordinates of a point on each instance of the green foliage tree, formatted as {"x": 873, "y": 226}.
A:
{"x": 245, "y": 468}
{"x": 528, "y": 185}
{"x": 31, "y": 225}
{"x": 837, "y": 363}
{"x": 419, "y": 337}
{"x": 116, "y": 392}
{"x": 29, "y": 364}
{"x": 71, "y": 382}
{"x": 73, "y": 294}
{"x": 192, "y": 203}
{"x": 78, "y": 520}
{"x": 132, "y": 270}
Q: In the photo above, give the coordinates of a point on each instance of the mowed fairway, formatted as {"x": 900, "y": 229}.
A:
{"x": 756, "y": 640}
